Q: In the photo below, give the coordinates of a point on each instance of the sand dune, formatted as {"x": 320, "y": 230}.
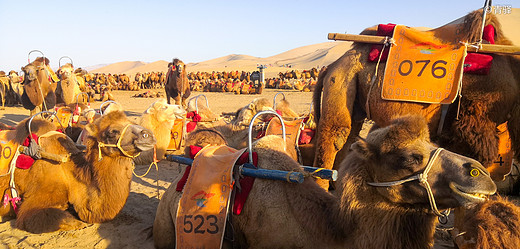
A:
{"x": 306, "y": 57}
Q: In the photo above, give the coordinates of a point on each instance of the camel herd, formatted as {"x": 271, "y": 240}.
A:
{"x": 66, "y": 169}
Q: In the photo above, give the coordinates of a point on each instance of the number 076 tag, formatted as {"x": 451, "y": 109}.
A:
{"x": 422, "y": 68}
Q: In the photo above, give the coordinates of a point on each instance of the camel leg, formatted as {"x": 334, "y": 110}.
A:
{"x": 164, "y": 224}
{"x": 167, "y": 97}
{"x": 35, "y": 218}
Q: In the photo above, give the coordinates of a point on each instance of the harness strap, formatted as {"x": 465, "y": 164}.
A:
{"x": 117, "y": 145}
{"x": 423, "y": 180}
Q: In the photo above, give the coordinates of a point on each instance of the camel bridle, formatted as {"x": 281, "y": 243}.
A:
{"x": 117, "y": 145}
{"x": 423, "y": 180}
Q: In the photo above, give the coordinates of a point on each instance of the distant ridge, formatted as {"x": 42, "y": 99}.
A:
{"x": 301, "y": 58}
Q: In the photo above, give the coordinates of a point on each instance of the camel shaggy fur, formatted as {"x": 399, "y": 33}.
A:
{"x": 159, "y": 118}
{"x": 284, "y": 215}
{"x": 494, "y": 223}
{"x": 38, "y": 85}
{"x": 95, "y": 185}
{"x": 487, "y": 101}
{"x": 177, "y": 85}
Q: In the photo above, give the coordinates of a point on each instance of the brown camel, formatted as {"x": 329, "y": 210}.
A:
{"x": 177, "y": 85}
{"x": 4, "y": 88}
{"x": 487, "y": 101}
{"x": 39, "y": 86}
{"x": 159, "y": 118}
{"x": 16, "y": 86}
{"x": 493, "y": 224}
{"x": 284, "y": 215}
{"x": 68, "y": 86}
{"x": 96, "y": 184}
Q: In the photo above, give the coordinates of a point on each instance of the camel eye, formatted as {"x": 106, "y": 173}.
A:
{"x": 112, "y": 133}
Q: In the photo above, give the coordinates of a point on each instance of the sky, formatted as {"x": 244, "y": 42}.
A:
{"x": 102, "y": 32}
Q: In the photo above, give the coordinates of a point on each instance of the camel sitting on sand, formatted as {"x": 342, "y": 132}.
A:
{"x": 284, "y": 215}
{"x": 159, "y": 118}
{"x": 96, "y": 184}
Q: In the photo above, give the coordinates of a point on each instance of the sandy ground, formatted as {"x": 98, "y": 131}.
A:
{"x": 131, "y": 228}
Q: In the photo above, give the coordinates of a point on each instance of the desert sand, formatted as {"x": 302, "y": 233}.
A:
{"x": 131, "y": 228}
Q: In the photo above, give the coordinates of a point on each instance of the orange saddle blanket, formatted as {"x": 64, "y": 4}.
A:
{"x": 422, "y": 68}
{"x": 203, "y": 207}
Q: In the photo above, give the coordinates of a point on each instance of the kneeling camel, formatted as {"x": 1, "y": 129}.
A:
{"x": 284, "y": 215}
{"x": 95, "y": 185}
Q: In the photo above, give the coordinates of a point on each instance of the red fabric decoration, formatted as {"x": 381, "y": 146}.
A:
{"x": 25, "y": 161}
{"x": 195, "y": 117}
{"x": 382, "y": 30}
{"x": 305, "y": 136}
{"x": 489, "y": 34}
{"x": 246, "y": 183}
{"x": 476, "y": 63}
{"x": 190, "y": 126}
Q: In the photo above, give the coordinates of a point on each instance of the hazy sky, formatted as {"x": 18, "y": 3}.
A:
{"x": 98, "y": 32}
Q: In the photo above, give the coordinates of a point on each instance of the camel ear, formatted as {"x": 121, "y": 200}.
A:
{"x": 362, "y": 147}
{"x": 91, "y": 129}
{"x": 251, "y": 106}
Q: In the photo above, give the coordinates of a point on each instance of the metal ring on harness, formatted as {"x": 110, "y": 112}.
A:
{"x": 29, "y": 56}
{"x": 274, "y": 99}
{"x": 42, "y": 112}
{"x": 102, "y": 104}
{"x": 196, "y": 104}
{"x": 71, "y": 62}
{"x": 82, "y": 93}
{"x": 250, "y": 140}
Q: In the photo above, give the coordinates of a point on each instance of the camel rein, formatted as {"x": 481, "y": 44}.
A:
{"x": 117, "y": 145}
{"x": 423, "y": 180}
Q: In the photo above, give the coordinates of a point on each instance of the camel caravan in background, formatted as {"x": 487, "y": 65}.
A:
{"x": 258, "y": 176}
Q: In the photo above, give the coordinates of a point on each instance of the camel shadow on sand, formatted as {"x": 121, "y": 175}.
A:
{"x": 131, "y": 228}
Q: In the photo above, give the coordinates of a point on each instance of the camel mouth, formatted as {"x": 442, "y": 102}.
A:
{"x": 479, "y": 196}
{"x": 144, "y": 146}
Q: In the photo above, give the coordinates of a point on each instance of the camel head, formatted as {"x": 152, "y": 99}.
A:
{"x": 65, "y": 71}
{"x": 164, "y": 112}
{"x": 395, "y": 157}
{"x": 113, "y": 129}
{"x": 177, "y": 66}
{"x": 246, "y": 113}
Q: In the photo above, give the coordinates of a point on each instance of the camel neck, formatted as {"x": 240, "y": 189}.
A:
{"x": 107, "y": 184}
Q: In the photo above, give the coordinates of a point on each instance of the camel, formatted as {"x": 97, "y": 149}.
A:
{"x": 159, "y": 118}
{"x": 177, "y": 86}
{"x": 38, "y": 85}
{"x": 68, "y": 86}
{"x": 283, "y": 215}
{"x": 16, "y": 86}
{"x": 4, "y": 88}
{"x": 487, "y": 101}
{"x": 494, "y": 223}
{"x": 94, "y": 184}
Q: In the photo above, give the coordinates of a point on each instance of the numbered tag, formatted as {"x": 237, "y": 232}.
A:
{"x": 422, "y": 68}
{"x": 7, "y": 150}
{"x": 176, "y": 134}
{"x": 203, "y": 207}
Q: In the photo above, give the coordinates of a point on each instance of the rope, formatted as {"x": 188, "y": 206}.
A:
{"x": 388, "y": 41}
{"x": 154, "y": 162}
{"x": 117, "y": 145}
{"x": 423, "y": 180}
